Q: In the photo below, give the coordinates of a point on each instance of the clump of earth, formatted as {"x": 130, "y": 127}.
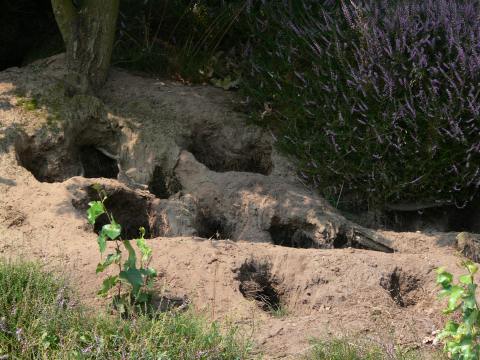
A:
{"x": 232, "y": 227}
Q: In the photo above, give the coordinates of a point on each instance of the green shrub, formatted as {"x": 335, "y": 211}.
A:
{"x": 461, "y": 334}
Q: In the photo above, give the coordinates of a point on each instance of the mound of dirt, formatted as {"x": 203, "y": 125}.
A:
{"x": 232, "y": 228}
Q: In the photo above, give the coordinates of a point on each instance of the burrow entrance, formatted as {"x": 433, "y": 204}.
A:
{"x": 210, "y": 226}
{"x": 162, "y": 185}
{"x": 128, "y": 208}
{"x": 297, "y": 234}
{"x": 292, "y": 234}
{"x": 96, "y": 164}
{"x": 443, "y": 218}
{"x": 213, "y": 147}
{"x": 258, "y": 284}
{"x": 57, "y": 165}
{"x": 54, "y": 159}
{"x": 401, "y": 287}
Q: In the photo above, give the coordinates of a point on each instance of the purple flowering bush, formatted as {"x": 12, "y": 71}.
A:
{"x": 378, "y": 99}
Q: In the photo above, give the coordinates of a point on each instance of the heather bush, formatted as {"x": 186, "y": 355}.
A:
{"x": 379, "y": 99}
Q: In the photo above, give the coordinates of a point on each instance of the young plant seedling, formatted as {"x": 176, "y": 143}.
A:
{"x": 137, "y": 279}
{"x": 461, "y": 337}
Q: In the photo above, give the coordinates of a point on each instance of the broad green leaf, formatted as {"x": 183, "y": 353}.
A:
{"x": 466, "y": 347}
{"x": 95, "y": 209}
{"x": 112, "y": 230}
{"x": 444, "y": 278}
{"x": 110, "y": 259}
{"x": 102, "y": 242}
{"x": 451, "y": 326}
{"x": 134, "y": 278}
{"x": 472, "y": 288}
{"x": 144, "y": 249}
{"x": 108, "y": 283}
{"x": 471, "y": 266}
{"x": 457, "y": 292}
{"x": 466, "y": 279}
{"x": 470, "y": 319}
{"x": 469, "y": 301}
{"x": 132, "y": 256}
{"x": 445, "y": 292}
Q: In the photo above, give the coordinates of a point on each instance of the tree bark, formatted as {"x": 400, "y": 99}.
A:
{"x": 88, "y": 30}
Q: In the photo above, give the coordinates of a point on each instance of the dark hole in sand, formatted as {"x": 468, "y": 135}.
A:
{"x": 449, "y": 218}
{"x": 214, "y": 150}
{"x": 212, "y": 227}
{"x": 257, "y": 283}
{"x": 129, "y": 209}
{"x": 400, "y": 287}
{"x": 161, "y": 185}
{"x": 291, "y": 235}
{"x": 96, "y": 164}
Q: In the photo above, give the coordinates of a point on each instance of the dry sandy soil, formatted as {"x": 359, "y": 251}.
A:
{"x": 330, "y": 285}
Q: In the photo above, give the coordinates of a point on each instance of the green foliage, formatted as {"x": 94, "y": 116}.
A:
{"x": 40, "y": 319}
{"x": 279, "y": 311}
{"x": 461, "y": 337}
{"x": 368, "y": 127}
{"x": 323, "y": 80}
{"x": 28, "y": 104}
{"x": 188, "y": 40}
{"x": 132, "y": 272}
{"x": 344, "y": 349}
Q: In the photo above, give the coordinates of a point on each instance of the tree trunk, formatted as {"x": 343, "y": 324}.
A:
{"x": 88, "y": 30}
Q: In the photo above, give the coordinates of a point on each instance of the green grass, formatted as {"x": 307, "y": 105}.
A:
{"x": 27, "y": 104}
{"x": 344, "y": 349}
{"x": 41, "y": 319}
{"x": 279, "y": 311}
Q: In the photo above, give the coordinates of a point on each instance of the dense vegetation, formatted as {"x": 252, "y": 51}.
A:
{"x": 377, "y": 101}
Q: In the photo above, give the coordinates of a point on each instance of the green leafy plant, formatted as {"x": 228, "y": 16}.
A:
{"x": 137, "y": 278}
{"x": 461, "y": 335}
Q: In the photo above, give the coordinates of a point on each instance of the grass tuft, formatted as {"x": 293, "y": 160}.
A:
{"x": 344, "y": 349}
